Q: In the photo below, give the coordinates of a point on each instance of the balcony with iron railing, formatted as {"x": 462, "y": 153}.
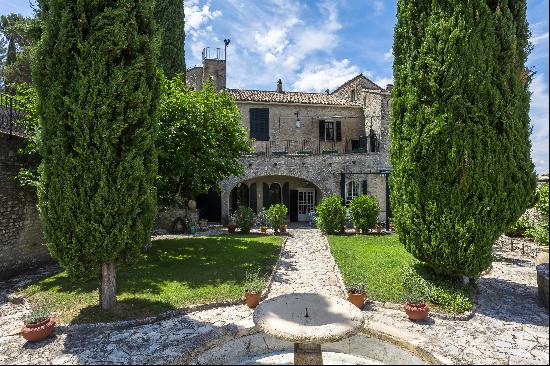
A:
{"x": 359, "y": 145}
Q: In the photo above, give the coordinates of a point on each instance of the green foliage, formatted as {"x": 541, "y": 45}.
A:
{"x": 262, "y": 218}
{"x": 422, "y": 284}
{"x": 542, "y": 201}
{"x": 275, "y": 215}
{"x": 254, "y": 282}
{"x": 357, "y": 286}
{"x": 199, "y": 141}
{"x": 98, "y": 87}
{"x": 244, "y": 218}
{"x": 520, "y": 228}
{"x": 11, "y": 55}
{"x": 363, "y": 211}
{"x": 330, "y": 214}
{"x": 462, "y": 171}
{"x": 171, "y": 21}
{"x": 37, "y": 315}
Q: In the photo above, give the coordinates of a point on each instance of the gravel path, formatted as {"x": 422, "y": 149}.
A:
{"x": 306, "y": 265}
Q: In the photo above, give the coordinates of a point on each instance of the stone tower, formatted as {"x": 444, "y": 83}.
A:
{"x": 213, "y": 66}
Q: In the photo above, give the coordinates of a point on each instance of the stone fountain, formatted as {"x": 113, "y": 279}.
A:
{"x": 308, "y": 320}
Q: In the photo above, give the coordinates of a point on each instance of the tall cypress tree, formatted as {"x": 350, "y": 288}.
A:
{"x": 11, "y": 55}
{"x": 171, "y": 20}
{"x": 460, "y": 129}
{"x": 98, "y": 87}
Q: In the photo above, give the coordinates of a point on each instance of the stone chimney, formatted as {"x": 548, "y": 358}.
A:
{"x": 389, "y": 87}
{"x": 279, "y": 86}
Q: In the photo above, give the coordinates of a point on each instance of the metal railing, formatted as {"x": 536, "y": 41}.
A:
{"x": 360, "y": 144}
{"x": 10, "y": 111}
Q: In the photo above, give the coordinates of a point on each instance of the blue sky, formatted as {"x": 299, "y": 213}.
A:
{"x": 315, "y": 45}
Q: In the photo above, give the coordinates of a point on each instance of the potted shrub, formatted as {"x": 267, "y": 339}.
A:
{"x": 276, "y": 216}
{"x": 356, "y": 294}
{"x": 244, "y": 219}
{"x": 330, "y": 215}
{"x": 38, "y": 325}
{"x": 363, "y": 212}
{"x": 262, "y": 221}
{"x": 415, "y": 307}
{"x": 253, "y": 287}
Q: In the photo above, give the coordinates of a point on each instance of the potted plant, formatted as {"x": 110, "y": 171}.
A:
{"x": 262, "y": 221}
{"x": 253, "y": 287}
{"x": 244, "y": 219}
{"x": 38, "y": 325}
{"x": 356, "y": 294}
{"x": 378, "y": 228}
{"x": 276, "y": 216}
{"x": 231, "y": 227}
{"x": 415, "y": 307}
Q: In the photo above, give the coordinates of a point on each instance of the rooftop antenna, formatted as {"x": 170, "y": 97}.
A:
{"x": 226, "y": 42}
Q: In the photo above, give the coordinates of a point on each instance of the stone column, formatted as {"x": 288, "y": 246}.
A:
{"x": 307, "y": 354}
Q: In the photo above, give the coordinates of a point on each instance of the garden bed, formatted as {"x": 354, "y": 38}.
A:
{"x": 379, "y": 261}
{"x": 176, "y": 273}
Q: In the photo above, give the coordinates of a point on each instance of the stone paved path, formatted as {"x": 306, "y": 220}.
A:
{"x": 306, "y": 265}
{"x": 509, "y": 327}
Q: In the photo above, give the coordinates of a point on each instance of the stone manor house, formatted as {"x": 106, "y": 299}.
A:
{"x": 306, "y": 145}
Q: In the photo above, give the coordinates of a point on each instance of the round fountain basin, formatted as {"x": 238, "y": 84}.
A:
{"x": 308, "y": 318}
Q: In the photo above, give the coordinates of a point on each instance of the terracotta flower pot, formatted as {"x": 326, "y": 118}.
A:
{"x": 39, "y": 331}
{"x": 416, "y": 312}
{"x": 263, "y": 229}
{"x": 282, "y": 229}
{"x": 252, "y": 299}
{"x": 378, "y": 229}
{"x": 231, "y": 228}
{"x": 357, "y": 299}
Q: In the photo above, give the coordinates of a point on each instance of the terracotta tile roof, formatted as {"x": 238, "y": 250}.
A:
{"x": 244, "y": 95}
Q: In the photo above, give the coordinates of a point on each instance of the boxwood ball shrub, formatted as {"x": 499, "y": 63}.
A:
{"x": 244, "y": 218}
{"x": 364, "y": 211}
{"x": 330, "y": 214}
{"x": 462, "y": 169}
{"x": 276, "y": 216}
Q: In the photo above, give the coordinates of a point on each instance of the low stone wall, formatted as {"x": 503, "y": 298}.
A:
{"x": 21, "y": 241}
{"x": 542, "y": 282}
{"x": 174, "y": 221}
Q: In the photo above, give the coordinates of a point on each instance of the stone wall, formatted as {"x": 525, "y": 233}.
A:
{"x": 173, "y": 221}
{"x": 193, "y": 78}
{"x": 21, "y": 240}
{"x": 282, "y": 124}
{"x": 324, "y": 171}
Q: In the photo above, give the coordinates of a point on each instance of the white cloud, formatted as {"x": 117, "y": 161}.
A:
{"x": 197, "y": 16}
{"x": 388, "y": 55}
{"x": 320, "y": 77}
{"x": 539, "y": 121}
{"x": 382, "y": 82}
{"x": 377, "y": 7}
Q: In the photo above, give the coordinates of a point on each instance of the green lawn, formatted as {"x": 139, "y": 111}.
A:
{"x": 176, "y": 273}
{"x": 378, "y": 260}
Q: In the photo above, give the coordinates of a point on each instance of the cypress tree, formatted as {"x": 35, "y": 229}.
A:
{"x": 98, "y": 87}
{"x": 171, "y": 20}
{"x": 462, "y": 171}
{"x": 11, "y": 55}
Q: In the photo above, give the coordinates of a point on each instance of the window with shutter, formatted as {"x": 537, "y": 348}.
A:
{"x": 259, "y": 124}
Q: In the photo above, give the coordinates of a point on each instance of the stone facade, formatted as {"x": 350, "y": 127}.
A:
{"x": 174, "y": 221}
{"x": 292, "y": 151}
{"x": 21, "y": 240}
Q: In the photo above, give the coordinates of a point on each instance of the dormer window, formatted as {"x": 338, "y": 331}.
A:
{"x": 352, "y": 95}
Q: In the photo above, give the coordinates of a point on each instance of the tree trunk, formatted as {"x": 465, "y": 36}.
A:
{"x": 107, "y": 291}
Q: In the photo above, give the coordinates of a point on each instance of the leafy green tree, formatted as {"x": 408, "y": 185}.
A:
{"x": 171, "y": 20}
{"x": 200, "y": 140}
{"x": 11, "y": 55}
{"x": 462, "y": 171}
{"x": 98, "y": 89}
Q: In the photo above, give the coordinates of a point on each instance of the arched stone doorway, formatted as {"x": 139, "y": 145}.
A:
{"x": 299, "y": 195}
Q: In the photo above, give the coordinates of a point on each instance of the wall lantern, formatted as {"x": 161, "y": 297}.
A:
{"x": 298, "y": 122}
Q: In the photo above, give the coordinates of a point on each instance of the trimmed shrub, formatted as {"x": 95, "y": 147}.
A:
{"x": 462, "y": 171}
{"x": 363, "y": 211}
{"x": 330, "y": 214}
{"x": 276, "y": 216}
{"x": 244, "y": 218}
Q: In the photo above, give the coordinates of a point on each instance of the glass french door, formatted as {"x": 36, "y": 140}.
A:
{"x": 306, "y": 203}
